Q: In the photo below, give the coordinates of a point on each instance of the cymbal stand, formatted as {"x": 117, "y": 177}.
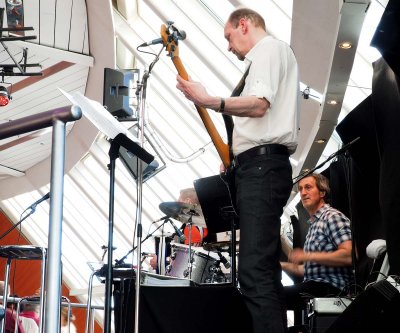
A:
{"x": 190, "y": 259}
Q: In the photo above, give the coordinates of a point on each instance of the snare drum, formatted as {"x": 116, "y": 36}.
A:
{"x": 205, "y": 265}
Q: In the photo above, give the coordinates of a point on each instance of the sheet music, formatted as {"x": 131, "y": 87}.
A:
{"x": 99, "y": 116}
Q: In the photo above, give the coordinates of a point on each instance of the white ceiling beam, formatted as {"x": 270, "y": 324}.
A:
{"x": 54, "y": 53}
{"x": 352, "y": 15}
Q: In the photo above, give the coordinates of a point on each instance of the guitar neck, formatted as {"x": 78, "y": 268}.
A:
{"x": 220, "y": 145}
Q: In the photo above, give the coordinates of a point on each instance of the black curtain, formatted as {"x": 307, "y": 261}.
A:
{"x": 363, "y": 180}
{"x": 166, "y": 309}
{"x": 386, "y": 106}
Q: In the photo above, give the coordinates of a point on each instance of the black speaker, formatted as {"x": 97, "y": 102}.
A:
{"x": 375, "y": 310}
{"x": 319, "y": 323}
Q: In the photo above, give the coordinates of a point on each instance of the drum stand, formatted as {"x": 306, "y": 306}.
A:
{"x": 229, "y": 213}
{"x": 190, "y": 259}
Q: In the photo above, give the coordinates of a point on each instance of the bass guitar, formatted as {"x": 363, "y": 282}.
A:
{"x": 170, "y": 37}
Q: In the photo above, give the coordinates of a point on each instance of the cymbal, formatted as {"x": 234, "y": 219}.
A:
{"x": 219, "y": 246}
{"x": 172, "y": 208}
{"x": 183, "y": 212}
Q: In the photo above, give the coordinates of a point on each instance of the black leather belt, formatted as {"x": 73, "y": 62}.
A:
{"x": 268, "y": 149}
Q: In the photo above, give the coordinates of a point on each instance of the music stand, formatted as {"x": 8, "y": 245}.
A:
{"x": 120, "y": 137}
{"x": 218, "y": 210}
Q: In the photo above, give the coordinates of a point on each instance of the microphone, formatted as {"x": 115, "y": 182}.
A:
{"x": 178, "y": 232}
{"x": 224, "y": 261}
{"x": 177, "y": 35}
{"x": 45, "y": 197}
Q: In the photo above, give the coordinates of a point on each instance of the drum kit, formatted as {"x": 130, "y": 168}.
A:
{"x": 202, "y": 265}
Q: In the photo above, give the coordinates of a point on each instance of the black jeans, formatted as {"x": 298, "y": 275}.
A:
{"x": 263, "y": 185}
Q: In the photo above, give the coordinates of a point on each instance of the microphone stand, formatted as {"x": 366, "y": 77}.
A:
{"x": 143, "y": 87}
{"x": 340, "y": 151}
{"x": 33, "y": 209}
{"x": 121, "y": 261}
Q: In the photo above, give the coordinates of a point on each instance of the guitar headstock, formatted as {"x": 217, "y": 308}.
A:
{"x": 170, "y": 36}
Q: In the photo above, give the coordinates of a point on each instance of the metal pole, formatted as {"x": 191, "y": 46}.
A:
{"x": 5, "y": 294}
{"x": 139, "y": 204}
{"x": 190, "y": 248}
{"x": 89, "y": 302}
{"x": 109, "y": 274}
{"x": 53, "y": 276}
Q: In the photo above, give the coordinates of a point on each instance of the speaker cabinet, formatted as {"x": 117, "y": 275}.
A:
{"x": 375, "y": 310}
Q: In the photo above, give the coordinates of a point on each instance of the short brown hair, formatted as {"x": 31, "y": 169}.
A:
{"x": 247, "y": 14}
{"x": 322, "y": 184}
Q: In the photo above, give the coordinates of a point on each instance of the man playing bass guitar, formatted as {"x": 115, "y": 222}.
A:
{"x": 264, "y": 135}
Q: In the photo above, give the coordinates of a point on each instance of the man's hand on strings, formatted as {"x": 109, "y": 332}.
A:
{"x": 195, "y": 92}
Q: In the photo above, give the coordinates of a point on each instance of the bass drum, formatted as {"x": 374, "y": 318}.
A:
{"x": 205, "y": 265}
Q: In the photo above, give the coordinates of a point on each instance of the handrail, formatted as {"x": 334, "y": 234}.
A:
{"x": 39, "y": 121}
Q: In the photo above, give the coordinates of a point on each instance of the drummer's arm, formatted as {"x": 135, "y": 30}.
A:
{"x": 292, "y": 268}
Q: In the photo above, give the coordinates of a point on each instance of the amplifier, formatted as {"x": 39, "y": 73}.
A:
{"x": 323, "y": 311}
{"x": 328, "y": 305}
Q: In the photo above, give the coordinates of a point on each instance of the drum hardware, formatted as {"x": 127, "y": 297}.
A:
{"x": 190, "y": 256}
{"x": 189, "y": 214}
{"x": 205, "y": 265}
{"x": 217, "y": 276}
{"x": 184, "y": 212}
{"x": 223, "y": 260}
{"x": 120, "y": 262}
{"x": 224, "y": 246}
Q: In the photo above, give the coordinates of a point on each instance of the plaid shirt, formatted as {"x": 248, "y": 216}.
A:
{"x": 328, "y": 229}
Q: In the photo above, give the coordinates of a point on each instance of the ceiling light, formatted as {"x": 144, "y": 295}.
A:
{"x": 320, "y": 141}
{"x": 345, "y": 45}
{"x": 4, "y": 96}
{"x": 332, "y": 102}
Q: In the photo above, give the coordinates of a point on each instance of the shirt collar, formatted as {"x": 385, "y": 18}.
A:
{"x": 319, "y": 212}
{"x": 250, "y": 55}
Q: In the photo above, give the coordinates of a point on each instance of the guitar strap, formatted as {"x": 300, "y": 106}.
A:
{"x": 227, "y": 118}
